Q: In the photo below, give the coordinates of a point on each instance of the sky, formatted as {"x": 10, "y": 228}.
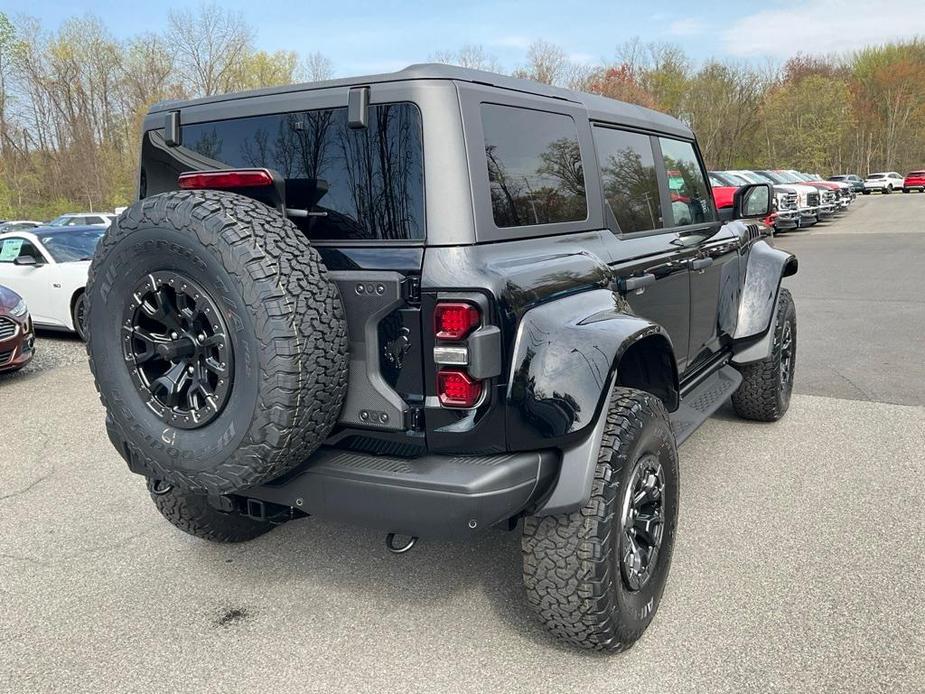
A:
{"x": 363, "y": 36}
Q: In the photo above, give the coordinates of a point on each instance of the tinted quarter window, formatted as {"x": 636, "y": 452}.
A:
{"x": 690, "y": 195}
{"x": 628, "y": 179}
{"x": 359, "y": 185}
{"x": 535, "y": 172}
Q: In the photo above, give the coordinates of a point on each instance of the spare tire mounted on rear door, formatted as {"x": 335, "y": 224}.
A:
{"x": 216, "y": 339}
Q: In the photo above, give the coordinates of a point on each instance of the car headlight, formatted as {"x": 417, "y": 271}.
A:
{"x": 19, "y": 310}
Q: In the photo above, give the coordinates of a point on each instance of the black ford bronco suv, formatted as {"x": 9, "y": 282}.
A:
{"x": 433, "y": 302}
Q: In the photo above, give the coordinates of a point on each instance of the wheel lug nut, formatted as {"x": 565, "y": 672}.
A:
{"x": 173, "y": 336}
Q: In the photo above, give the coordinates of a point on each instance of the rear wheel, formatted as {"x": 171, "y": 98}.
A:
{"x": 764, "y": 394}
{"x": 203, "y": 517}
{"x": 595, "y": 576}
{"x": 888, "y": 189}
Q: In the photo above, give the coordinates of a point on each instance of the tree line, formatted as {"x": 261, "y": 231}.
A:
{"x": 72, "y": 101}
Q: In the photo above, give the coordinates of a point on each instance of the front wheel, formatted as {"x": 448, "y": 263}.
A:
{"x": 888, "y": 190}
{"x": 79, "y": 316}
{"x": 595, "y": 576}
{"x": 764, "y": 394}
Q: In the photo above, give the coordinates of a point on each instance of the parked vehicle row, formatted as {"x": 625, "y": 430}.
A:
{"x": 800, "y": 199}
{"x": 886, "y": 182}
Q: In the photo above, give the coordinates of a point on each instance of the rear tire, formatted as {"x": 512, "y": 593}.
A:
{"x": 193, "y": 514}
{"x": 575, "y": 574}
{"x": 764, "y": 394}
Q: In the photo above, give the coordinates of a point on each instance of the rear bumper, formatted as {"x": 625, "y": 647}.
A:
{"x": 430, "y": 496}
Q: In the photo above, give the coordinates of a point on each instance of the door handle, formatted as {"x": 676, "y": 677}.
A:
{"x": 629, "y": 284}
{"x": 701, "y": 263}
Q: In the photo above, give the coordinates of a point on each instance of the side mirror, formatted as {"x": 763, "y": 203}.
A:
{"x": 753, "y": 200}
{"x": 26, "y": 260}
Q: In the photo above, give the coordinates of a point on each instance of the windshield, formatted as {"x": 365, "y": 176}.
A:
{"x": 765, "y": 177}
{"x": 736, "y": 179}
{"x": 838, "y": 178}
{"x": 72, "y": 246}
{"x": 784, "y": 177}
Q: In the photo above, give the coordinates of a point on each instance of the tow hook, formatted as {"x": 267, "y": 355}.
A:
{"x": 394, "y": 549}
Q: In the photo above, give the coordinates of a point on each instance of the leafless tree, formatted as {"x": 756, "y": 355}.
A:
{"x": 471, "y": 56}
{"x": 209, "y": 44}
{"x": 315, "y": 67}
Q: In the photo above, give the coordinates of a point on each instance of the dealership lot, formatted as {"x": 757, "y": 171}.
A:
{"x": 798, "y": 565}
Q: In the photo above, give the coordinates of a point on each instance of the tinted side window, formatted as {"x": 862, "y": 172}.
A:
{"x": 359, "y": 185}
{"x": 628, "y": 179}
{"x": 690, "y": 195}
{"x": 535, "y": 172}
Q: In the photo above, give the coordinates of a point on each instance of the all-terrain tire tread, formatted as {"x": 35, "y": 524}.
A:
{"x": 568, "y": 567}
{"x": 303, "y": 355}
{"x": 758, "y": 397}
{"x": 192, "y": 514}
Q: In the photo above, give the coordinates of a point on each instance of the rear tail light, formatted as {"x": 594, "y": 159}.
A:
{"x": 226, "y": 179}
{"x": 457, "y": 389}
{"x": 455, "y": 320}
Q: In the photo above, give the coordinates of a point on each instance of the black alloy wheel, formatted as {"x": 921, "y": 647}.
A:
{"x": 79, "y": 316}
{"x": 177, "y": 349}
{"x": 787, "y": 361}
{"x": 642, "y": 525}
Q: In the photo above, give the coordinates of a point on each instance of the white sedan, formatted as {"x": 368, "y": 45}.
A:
{"x": 48, "y": 268}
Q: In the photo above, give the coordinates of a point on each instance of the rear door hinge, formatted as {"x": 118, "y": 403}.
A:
{"x": 411, "y": 290}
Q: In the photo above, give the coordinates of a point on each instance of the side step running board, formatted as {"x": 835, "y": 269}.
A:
{"x": 703, "y": 401}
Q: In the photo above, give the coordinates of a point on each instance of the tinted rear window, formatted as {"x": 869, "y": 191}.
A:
{"x": 535, "y": 172}
{"x": 628, "y": 178}
{"x": 358, "y": 184}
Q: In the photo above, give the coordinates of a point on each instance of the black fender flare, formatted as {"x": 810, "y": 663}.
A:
{"x": 565, "y": 363}
{"x": 765, "y": 269}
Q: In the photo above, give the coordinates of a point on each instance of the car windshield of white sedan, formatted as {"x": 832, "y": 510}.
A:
{"x": 72, "y": 246}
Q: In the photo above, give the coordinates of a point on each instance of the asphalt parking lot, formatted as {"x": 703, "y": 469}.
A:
{"x": 798, "y": 565}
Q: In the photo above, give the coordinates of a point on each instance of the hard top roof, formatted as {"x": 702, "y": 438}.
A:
{"x": 598, "y": 107}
